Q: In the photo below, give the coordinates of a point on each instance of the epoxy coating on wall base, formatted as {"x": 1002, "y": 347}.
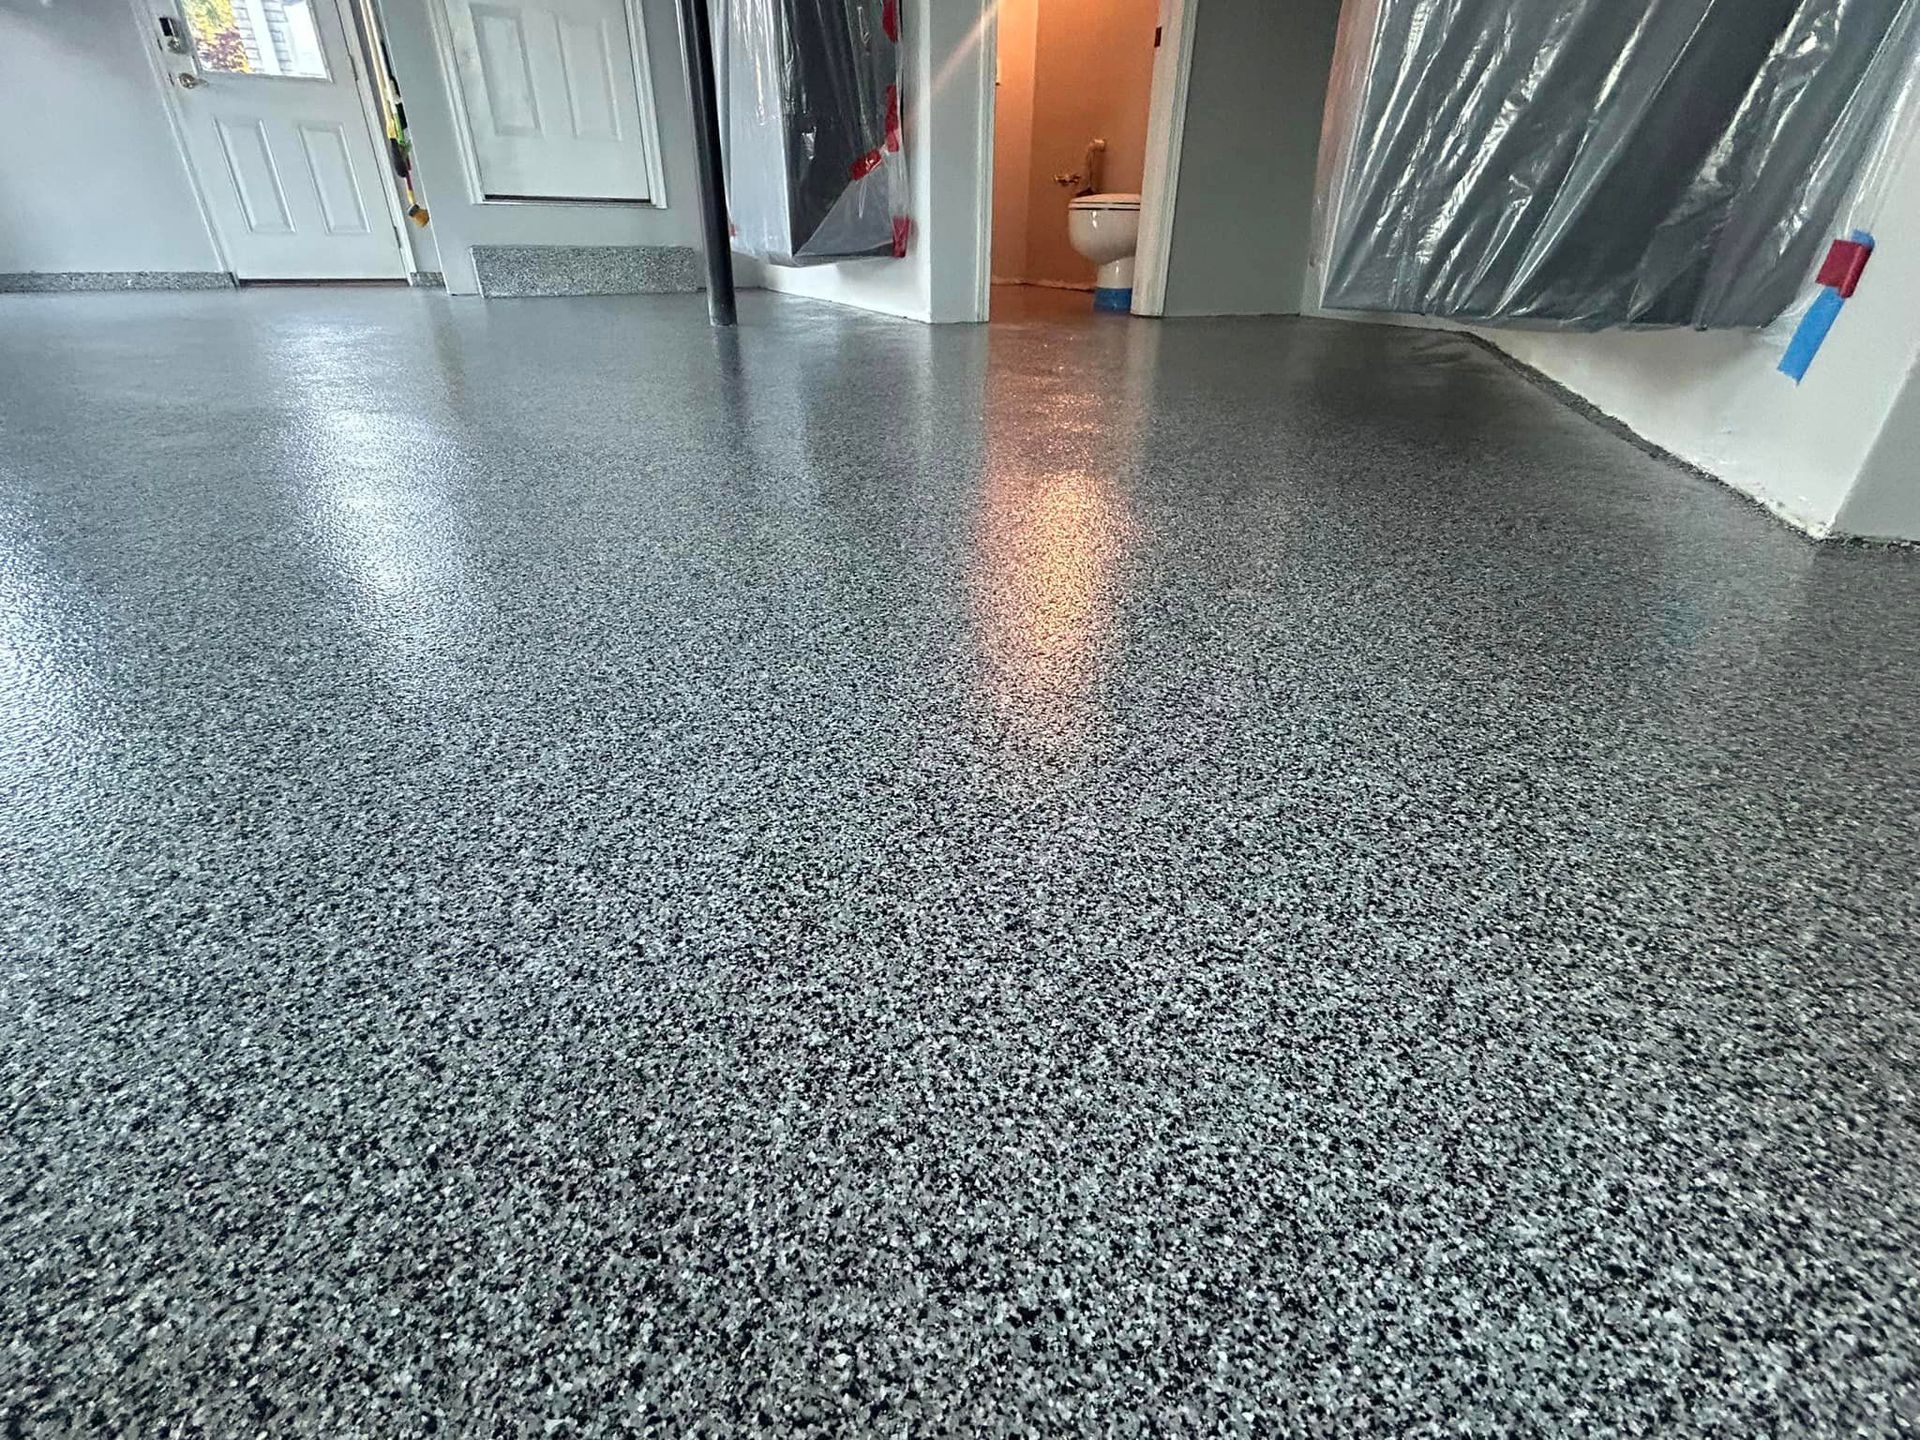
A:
{"x": 63, "y": 281}
{"x": 518, "y": 270}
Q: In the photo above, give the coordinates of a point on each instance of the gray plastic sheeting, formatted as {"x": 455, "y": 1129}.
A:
{"x": 811, "y": 127}
{"x": 1581, "y": 164}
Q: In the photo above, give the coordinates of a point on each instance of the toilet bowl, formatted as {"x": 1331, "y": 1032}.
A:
{"x": 1105, "y": 229}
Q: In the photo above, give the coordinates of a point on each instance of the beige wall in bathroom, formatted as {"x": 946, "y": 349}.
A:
{"x": 1087, "y": 71}
{"x": 1013, "y": 136}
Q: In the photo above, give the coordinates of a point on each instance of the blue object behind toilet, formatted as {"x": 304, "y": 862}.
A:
{"x": 1114, "y": 299}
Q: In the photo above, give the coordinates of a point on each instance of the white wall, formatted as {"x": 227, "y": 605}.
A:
{"x": 1884, "y": 503}
{"x": 946, "y": 128}
{"x": 461, "y": 220}
{"x": 1716, "y": 400}
{"x": 90, "y": 176}
{"x": 1243, "y": 200}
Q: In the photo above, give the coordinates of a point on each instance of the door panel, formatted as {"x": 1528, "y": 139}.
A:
{"x": 331, "y": 168}
{"x": 506, "y": 74}
{"x": 278, "y": 136}
{"x": 586, "y": 56}
{"x": 551, "y": 97}
{"x": 255, "y": 178}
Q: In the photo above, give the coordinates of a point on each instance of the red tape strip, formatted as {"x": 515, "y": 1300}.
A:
{"x": 1842, "y": 267}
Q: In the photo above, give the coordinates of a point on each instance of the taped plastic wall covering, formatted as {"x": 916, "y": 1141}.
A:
{"x": 810, "y": 128}
{"x": 1581, "y": 164}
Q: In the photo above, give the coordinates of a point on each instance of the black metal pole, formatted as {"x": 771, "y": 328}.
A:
{"x": 696, "y": 43}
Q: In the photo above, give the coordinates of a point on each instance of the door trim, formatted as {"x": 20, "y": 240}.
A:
{"x": 146, "y": 12}
{"x": 1166, "y": 131}
{"x": 362, "y": 54}
{"x": 989, "y": 103}
{"x": 643, "y": 93}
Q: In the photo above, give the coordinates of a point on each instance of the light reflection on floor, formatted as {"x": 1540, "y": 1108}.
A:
{"x": 1044, "y": 561}
{"x": 1053, "y": 525}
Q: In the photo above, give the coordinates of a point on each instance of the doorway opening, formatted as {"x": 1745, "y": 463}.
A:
{"x": 1086, "y": 101}
{"x": 279, "y": 114}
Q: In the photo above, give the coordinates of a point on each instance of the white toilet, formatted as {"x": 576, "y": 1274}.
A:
{"x": 1105, "y": 228}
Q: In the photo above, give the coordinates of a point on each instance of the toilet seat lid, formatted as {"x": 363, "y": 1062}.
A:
{"x": 1115, "y": 201}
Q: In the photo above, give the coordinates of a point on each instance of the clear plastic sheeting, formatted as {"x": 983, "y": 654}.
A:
{"x": 810, "y": 126}
{"x": 1592, "y": 163}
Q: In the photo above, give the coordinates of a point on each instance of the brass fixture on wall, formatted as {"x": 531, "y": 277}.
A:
{"x": 1088, "y": 176}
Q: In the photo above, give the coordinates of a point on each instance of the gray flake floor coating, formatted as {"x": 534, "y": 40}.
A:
{"x": 569, "y": 876}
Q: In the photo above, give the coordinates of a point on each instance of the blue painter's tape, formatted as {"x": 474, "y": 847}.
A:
{"x": 1812, "y": 331}
{"x": 1811, "y": 335}
{"x": 1113, "y": 298}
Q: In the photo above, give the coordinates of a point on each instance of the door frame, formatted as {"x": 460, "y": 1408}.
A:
{"x": 1166, "y": 131}
{"x": 643, "y": 90}
{"x": 987, "y": 138}
{"x": 146, "y": 12}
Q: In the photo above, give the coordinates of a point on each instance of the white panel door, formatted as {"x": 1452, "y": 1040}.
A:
{"x": 551, "y": 96}
{"x": 280, "y": 142}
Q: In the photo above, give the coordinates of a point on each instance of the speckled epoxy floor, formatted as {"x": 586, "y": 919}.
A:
{"x": 565, "y": 876}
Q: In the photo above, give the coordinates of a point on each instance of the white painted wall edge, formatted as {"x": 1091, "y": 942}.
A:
{"x": 1160, "y": 174}
{"x": 857, "y": 284}
{"x": 1884, "y": 503}
{"x": 987, "y": 67}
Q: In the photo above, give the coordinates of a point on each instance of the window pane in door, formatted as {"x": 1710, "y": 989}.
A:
{"x": 257, "y": 37}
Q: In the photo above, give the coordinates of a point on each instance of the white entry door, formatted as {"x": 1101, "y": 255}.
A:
{"x": 556, "y": 98}
{"x": 277, "y": 130}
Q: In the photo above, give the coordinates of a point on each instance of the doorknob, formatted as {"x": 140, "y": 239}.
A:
{"x": 188, "y": 80}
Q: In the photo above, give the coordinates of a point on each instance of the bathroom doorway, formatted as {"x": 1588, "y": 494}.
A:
{"x": 1086, "y": 93}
